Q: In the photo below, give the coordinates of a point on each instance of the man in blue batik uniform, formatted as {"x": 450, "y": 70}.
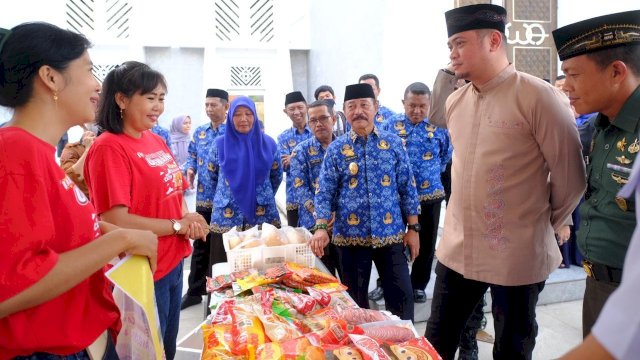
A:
{"x": 384, "y": 113}
{"x": 366, "y": 179}
{"x": 429, "y": 151}
{"x": 295, "y": 106}
{"x": 305, "y": 167}
{"x": 163, "y": 133}
{"x": 199, "y": 162}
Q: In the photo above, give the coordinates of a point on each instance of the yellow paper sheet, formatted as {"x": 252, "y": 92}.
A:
{"x": 133, "y": 275}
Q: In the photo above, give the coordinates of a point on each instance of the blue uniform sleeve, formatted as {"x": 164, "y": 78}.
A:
{"x": 445, "y": 150}
{"x": 303, "y": 191}
{"x": 408, "y": 194}
{"x": 275, "y": 175}
{"x": 192, "y": 159}
{"x": 328, "y": 185}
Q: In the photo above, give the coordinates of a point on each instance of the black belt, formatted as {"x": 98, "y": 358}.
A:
{"x": 600, "y": 272}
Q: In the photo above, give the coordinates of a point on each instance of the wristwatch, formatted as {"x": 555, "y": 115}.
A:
{"x": 176, "y": 226}
{"x": 414, "y": 227}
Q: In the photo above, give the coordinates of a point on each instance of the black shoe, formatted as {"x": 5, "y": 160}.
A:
{"x": 189, "y": 300}
{"x": 376, "y": 294}
{"x": 419, "y": 296}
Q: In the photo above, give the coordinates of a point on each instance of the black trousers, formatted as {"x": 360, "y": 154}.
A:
{"x": 200, "y": 262}
{"x": 421, "y": 269}
{"x": 596, "y": 294}
{"x": 428, "y": 219}
{"x": 513, "y": 307}
{"x": 216, "y": 250}
{"x": 292, "y": 217}
{"x": 355, "y": 262}
{"x": 330, "y": 259}
{"x": 445, "y": 178}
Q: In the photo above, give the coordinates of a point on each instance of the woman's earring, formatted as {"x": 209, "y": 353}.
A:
{"x": 122, "y": 113}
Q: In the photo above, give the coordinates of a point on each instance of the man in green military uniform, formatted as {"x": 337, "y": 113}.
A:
{"x": 601, "y": 60}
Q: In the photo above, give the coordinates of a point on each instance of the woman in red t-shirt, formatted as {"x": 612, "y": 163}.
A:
{"x": 54, "y": 298}
{"x": 135, "y": 182}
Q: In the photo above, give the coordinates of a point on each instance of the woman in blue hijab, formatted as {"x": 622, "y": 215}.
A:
{"x": 246, "y": 172}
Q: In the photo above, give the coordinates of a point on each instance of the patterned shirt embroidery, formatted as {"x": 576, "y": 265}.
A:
{"x": 287, "y": 141}
{"x": 305, "y": 170}
{"x": 429, "y": 151}
{"x": 226, "y": 213}
{"x": 200, "y": 160}
{"x": 370, "y": 183}
{"x": 383, "y": 114}
{"x": 163, "y": 133}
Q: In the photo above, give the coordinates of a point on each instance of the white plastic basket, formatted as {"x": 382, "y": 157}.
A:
{"x": 263, "y": 257}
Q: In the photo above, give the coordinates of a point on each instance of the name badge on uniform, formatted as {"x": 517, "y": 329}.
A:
{"x": 228, "y": 213}
{"x": 353, "y": 220}
{"x": 399, "y": 125}
{"x": 427, "y": 156}
{"x": 313, "y": 150}
{"x": 292, "y": 143}
{"x": 202, "y": 135}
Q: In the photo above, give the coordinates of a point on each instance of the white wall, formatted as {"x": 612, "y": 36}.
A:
{"x": 400, "y": 41}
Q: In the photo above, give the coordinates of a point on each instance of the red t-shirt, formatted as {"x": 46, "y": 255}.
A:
{"x": 142, "y": 175}
{"x": 43, "y": 214}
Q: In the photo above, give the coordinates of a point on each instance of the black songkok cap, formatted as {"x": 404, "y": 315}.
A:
{"x": 294, "y": 97}
{"x": 359, "y": 91}
{"x": 599, "y": 33}
{"x": 218, "y": 94}
{"x": 473, "y": 17}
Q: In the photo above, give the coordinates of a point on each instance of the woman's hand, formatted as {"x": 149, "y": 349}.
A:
{"x": 138, "y": 242}
{"x": 194, "y": 226}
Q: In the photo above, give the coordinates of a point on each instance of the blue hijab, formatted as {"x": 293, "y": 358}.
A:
{"x": 246, "y": 159}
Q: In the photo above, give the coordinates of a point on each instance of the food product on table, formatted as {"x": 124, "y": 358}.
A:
{"x": 323, "y": 298}
{"x": 369, "y": 348}
{"x": 357, "y": 316}
{"x": 347, "y": 353}
{"x": 248, "y": 333}
{"x": 419, "y": 348}
{"x": 276, "y": 326}
{"x": 250, "y": 243}
{"x": 223, "y": 281}
{"x": 294, "y": 235}
{"x": 314, "y": 353}
{"x": 271, "y": 236}
{"x": 390, "y": 333}
{"x": 217, "y": 342}
{"x": 330, "y": 287}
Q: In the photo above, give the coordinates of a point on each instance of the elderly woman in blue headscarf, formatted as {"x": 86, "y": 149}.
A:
{"x": 246, "y": 172}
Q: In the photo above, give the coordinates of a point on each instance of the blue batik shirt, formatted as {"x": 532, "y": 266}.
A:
{"x": 371, "y": 184}
{"x": 429, "y": 150}
{"x": 200, "y": 152}
{"x": 287, "y": 141}
{"x": 305, "y": 170}
{"x": 383, "y": 114}
{"x": 163, "y": 133}
{"x": 226, "y": 213}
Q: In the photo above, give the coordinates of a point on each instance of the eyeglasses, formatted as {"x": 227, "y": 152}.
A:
{"x": 323, "y": 119}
